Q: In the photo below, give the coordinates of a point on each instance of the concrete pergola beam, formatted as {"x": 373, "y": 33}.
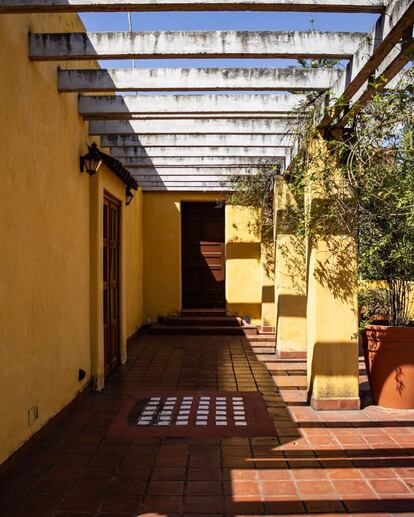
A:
{"x": 156, "y": 153}
{"x": 157, "y": 142}
{"x": 117, "y": 106}
{"x": 194, "y": 44}
{"x": 392, "y": 34}
{"x": 201, "y": 161}
{"x": 197, "y": 79}
{"x": 43, "y": 6}
{"x": 190, "y": 126}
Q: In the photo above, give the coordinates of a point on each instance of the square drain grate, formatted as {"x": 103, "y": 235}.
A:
{"x": 195, "y": 414}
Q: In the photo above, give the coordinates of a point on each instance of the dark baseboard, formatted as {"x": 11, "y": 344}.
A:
{"x": 16, "y": 456}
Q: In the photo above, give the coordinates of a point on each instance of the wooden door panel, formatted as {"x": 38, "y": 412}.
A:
{"x": 203, "y": 261}
{"x": 111, "y": 284}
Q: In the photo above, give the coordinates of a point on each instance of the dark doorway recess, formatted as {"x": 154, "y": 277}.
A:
{"x": 111, "y": 213}
{"x": 203, "y": 260}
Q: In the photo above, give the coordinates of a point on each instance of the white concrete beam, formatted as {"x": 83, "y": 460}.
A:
{"x": 190, "y": 126}
{"x": 198, "y": 79}
{"x": 197, "y": 152}
{"x": 201, "y": 161}
{"x": 117, "y": 106}
{"x": 194, "y": 44}
{"x": 388, "y": 36}
{"x": 42, "y": 6}
{"x": 159, "y": 142}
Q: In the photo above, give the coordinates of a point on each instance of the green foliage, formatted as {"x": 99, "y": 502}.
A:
{"x": 255, "y": 189}
{"x": 364, "y": 185}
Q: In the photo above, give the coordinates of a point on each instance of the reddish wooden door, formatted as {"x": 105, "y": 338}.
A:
{"x": 203, "y": 257}
{"x": 111, "y": 283}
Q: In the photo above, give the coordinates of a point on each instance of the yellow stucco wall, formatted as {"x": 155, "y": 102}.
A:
{"x": 46, "y": 211}
{"x": 162, "y": 256}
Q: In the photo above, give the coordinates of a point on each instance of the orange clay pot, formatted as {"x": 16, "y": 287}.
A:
{"x": 389, "y": 358}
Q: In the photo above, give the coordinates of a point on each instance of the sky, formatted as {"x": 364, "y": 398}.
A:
{"x": 248, "y": 21}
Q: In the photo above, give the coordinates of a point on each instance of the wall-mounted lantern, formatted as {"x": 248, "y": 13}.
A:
{"x": 91, "y": 161}
{"x": 128, "y": 195}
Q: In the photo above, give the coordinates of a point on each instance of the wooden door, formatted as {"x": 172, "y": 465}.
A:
{"x": 203, "y": 256}
{"x": 111, "y": 211}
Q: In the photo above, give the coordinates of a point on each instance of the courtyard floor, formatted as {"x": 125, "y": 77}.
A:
{"x": 350, "y": 462}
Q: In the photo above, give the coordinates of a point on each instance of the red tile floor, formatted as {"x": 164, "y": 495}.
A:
{"x": 352, "y": 463}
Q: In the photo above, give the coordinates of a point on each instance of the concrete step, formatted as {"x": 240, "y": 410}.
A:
{"x": 160, "y": 329}
{"x": 263, "y": 338}
{"x": 206, "y": 321}
{"x": 204, "y": 312}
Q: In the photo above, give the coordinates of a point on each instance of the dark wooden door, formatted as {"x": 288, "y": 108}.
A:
{"x": 111, "y": 283}
{"x": 203, "y": 257}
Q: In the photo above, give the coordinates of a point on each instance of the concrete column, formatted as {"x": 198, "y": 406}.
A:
{"x": 290, "y": 282}
{"x": 332, "y": 307}
{"x": 268, "y": 290}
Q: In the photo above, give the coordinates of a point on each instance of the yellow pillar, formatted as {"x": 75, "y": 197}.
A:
{"x": 290, "y": 281}
{"x": 332, "y": 315}
{"x": 268, "y": 287}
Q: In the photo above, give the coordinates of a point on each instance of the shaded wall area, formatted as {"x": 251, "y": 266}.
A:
{"x": 47, "y": 263}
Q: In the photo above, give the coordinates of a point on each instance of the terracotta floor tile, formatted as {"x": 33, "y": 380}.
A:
{"x": 203, "y": 504}
{"x": 243, "y": 506}
{"x": 81, "y": 503}
{"x": 160, "y": 504}
{"x": 277, "y": 488}
{"x": 315, "y": 488}
{"x": 358, "y": 462}
{"x": 120, "y": 503}
{"x": 166, "y": 488}
{"x": 127, "y": 487}
{"x": 201, "y": 474}
{"x": 309, "y": 474}
{"x": 389, "y": 486}
{"x": 243, "y": 488}
{"x": 205, "y": 488}
{"x": 351, "y": 487}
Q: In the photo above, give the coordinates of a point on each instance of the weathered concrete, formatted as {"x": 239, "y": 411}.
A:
{"x": 194, "y": 44}
{"x": 35, "y": 6}
{"x": 393, "y": 26}
{"x": 201, "y": 161}
{"x": 117, "y": 106}
{"x": 197, "y": 79}
{"x": 190, "y": 126}
{"x": 189, "y": 152}
{"x": 197, "y": 140}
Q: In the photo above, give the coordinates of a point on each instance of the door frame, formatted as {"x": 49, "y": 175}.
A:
{"x": 181, "y": 243}
{"x": 112, "y": 199}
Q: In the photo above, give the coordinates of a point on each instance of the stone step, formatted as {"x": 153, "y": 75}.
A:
{"x": 203, "y": 321}
{"x": 160, "y": 329}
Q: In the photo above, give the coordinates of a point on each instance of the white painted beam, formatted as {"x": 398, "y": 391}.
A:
{"x": 201, "y": 161}
{"x": 117, "y": 106}
{"x": 387, "y": 35}
{"x": 198, "y": 141}
{"x": 194, "y": 44}
{"x": 198, "y": 79}
{"x": 190, "y": 126}
{"x": 42, "y": 6}
{"x": 196, "y": 152}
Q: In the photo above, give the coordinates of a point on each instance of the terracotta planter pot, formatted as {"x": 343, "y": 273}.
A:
{"x": 389, "y": 358}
